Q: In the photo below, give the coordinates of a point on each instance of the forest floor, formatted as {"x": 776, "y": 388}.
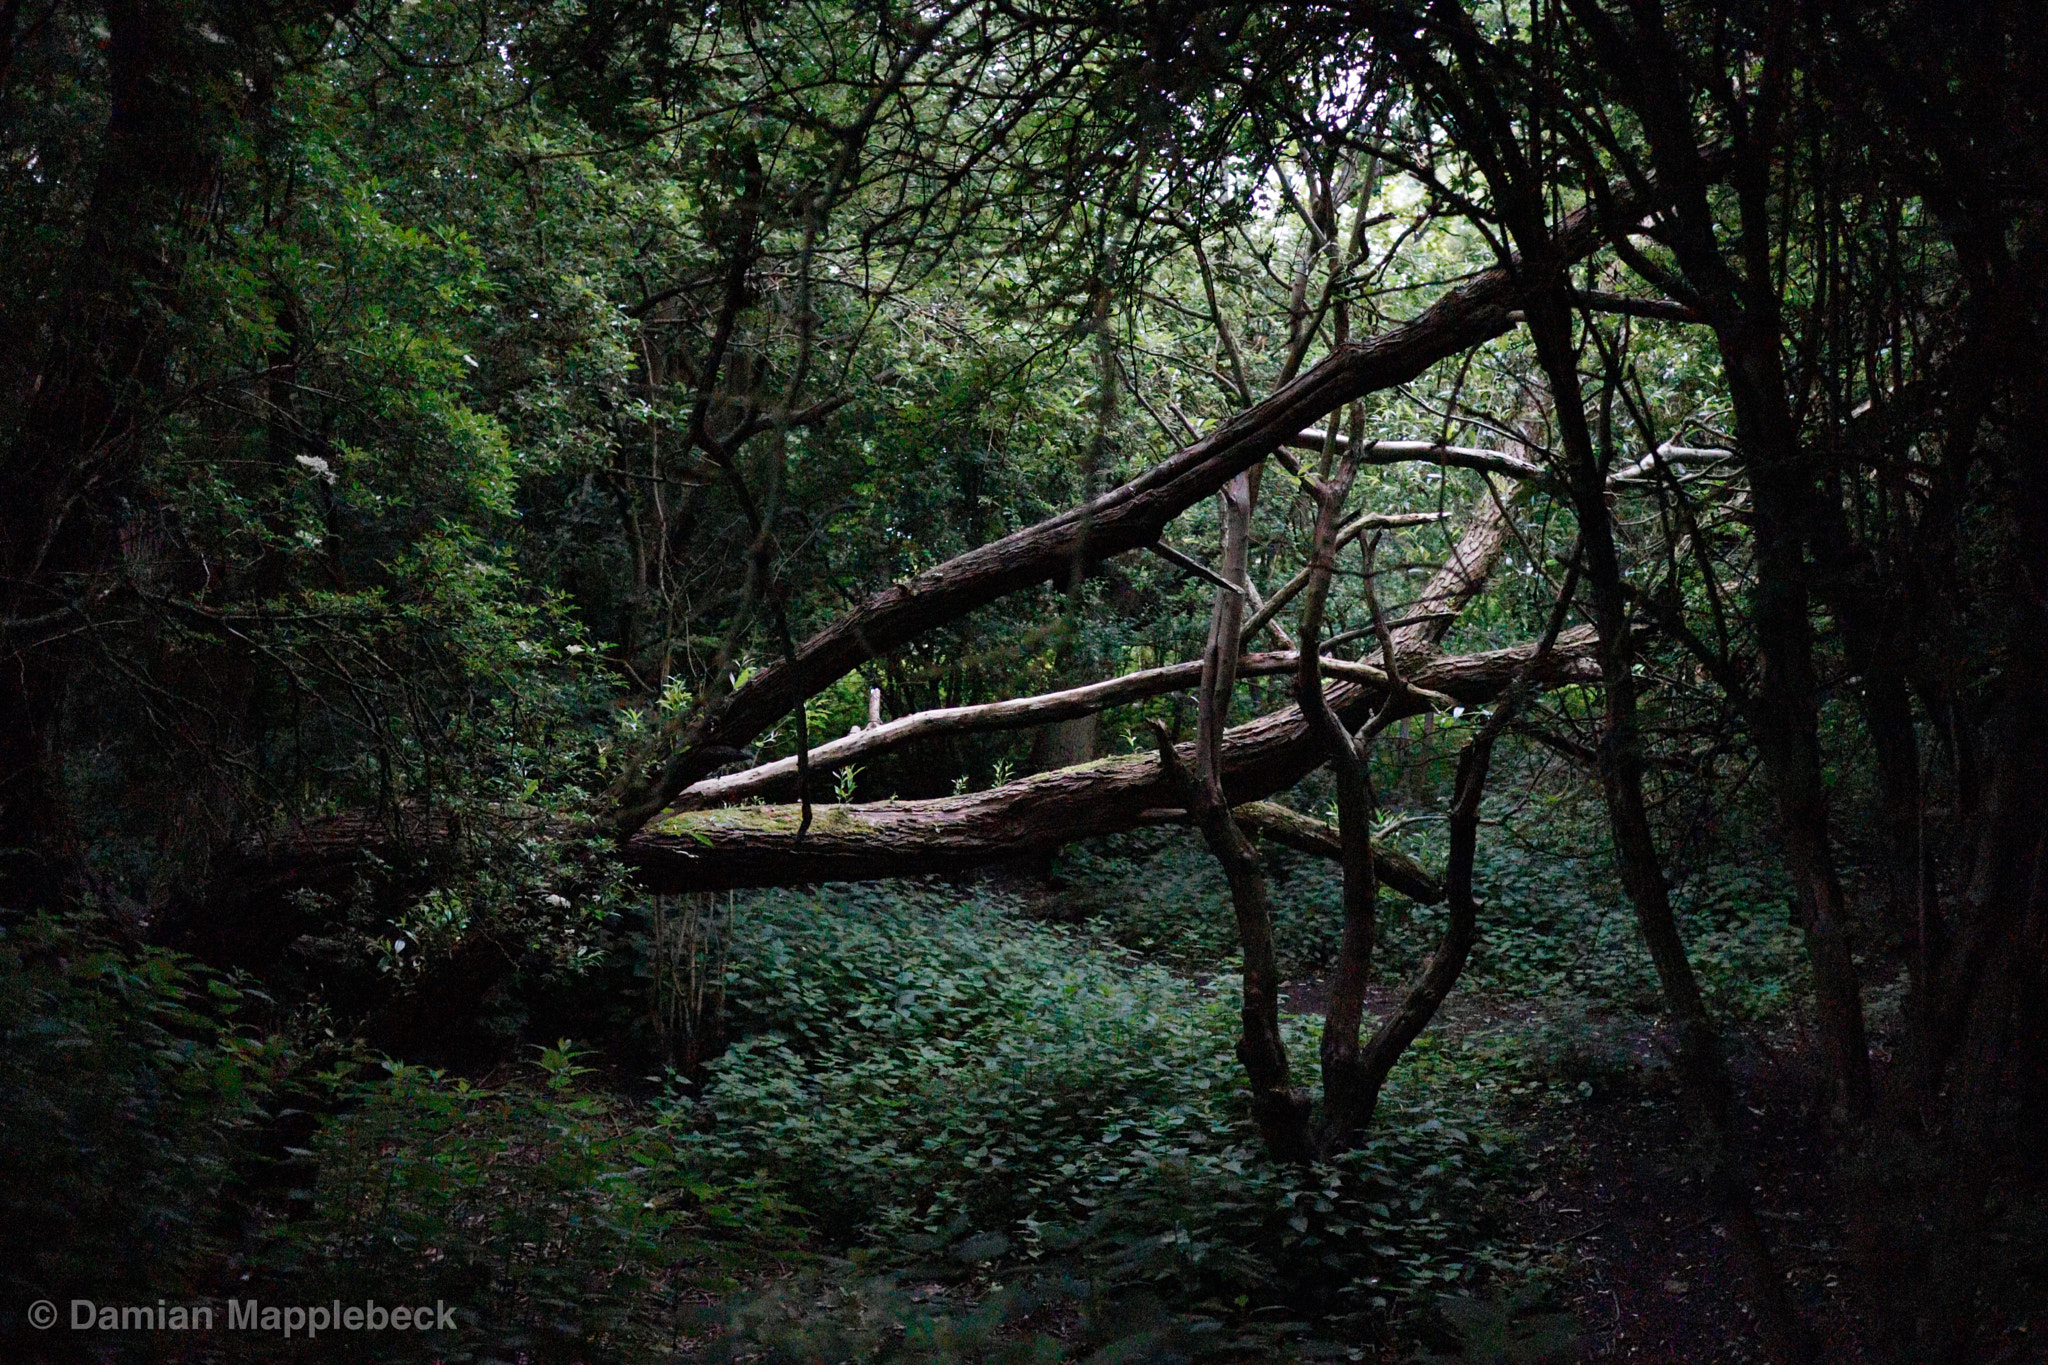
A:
{"x": 1645, "y": 1271}
{"x": 1615, "y": 1211}
{"x": 1619, "y": 1214}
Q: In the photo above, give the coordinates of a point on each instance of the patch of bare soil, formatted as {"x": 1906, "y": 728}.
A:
{"x": 1645, "y": 1270}
{"x": 1619, "y": 1214}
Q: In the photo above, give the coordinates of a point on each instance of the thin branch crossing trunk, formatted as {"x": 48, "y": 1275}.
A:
{"x": 1279, "y": 1108}
{"x": 1126, "y": 518}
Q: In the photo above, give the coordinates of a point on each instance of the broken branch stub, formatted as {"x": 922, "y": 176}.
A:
{"x": 1125, "y": 518}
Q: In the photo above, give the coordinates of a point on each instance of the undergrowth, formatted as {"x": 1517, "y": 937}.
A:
{"x": 1159, "y": 892}
{"x": 1555, "y": 925}
{"x": 552, "y": 1215}
{"x": 128, "y": 1085}
{"x": 944, "y": 1131}
{"x": 939, "y": 1082}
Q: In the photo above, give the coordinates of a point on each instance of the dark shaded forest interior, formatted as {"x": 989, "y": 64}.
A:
{"x": 1003, "y": 682}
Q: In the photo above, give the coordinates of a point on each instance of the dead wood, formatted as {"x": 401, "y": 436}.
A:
{"x": 1305, "y": 834}
{"x": 756, "y": 845}
{"x": 1126, "y": 518}
{"x": 1015, "y": 713}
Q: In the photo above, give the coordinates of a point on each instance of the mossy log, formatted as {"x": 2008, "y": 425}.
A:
{"x": 759, "y": 845}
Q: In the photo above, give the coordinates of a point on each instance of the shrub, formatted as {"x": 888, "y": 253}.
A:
{"x": 126, "y": 1086}
{"x": 122, "y": 1081}
{"x": 552, "y": 1216}
{"x": 1555, "y": 924}
{"x": 942, "y": 1081}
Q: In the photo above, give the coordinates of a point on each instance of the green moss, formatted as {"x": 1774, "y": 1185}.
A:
{"x": 751, "y": 819}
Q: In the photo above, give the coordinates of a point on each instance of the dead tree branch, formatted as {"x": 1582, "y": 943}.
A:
{"x": 1126, "y": 518}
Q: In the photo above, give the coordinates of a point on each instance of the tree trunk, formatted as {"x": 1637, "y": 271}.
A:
{"x": 94, "y": 358}
{"x": 757, "y": 845}
{"x": 1126, "y": 518}
{"x": 1344, "y": 1101}
{"x": 1702, "y": 1068}
{"x": 1278, "y": 1107}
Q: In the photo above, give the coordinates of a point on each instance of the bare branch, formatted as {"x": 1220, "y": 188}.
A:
{"x": 1126, "y": 518}
{"x": 1304, "y": 834}
{"x": 1428, "y": 452}
{"x": 1371, "y": 521}
{"x": 752, "y": 845}
{"x": 1193, "y": 566}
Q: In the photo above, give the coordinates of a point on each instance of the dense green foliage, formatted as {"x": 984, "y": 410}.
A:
{"x": 1557, "y": 929}
{"x": 933, "y": 1076}
{"x": 434, "y": 436}
{"x": 921, "y": 1079}
{"x": 129, "y": 1092}
{"x": 558, "y": 1220}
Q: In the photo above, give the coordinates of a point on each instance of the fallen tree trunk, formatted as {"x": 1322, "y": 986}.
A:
{"x": 1111, "y": 795}
{"x": 739, "y": 846}
{"x": 1125, "y": 518}
{"x": 1460, "y": 579}
{"x": 757, "y": 845}
{"x": 1015, "y": 713}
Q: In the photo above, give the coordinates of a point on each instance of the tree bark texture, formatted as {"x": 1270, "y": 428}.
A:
{"x": 756, "y": 845}
{"x": 1278, "y": 1108}
{"x": 1125, "y": 518}
{"x": 1338, "y": 1051}
{"x": 1015, "y": 713}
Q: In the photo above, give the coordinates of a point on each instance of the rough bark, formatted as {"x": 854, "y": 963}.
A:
{"x": 1461, "y": 578}
{"x": 1338, "y": 1051}
{"x": 756, "y": 845}
{"x": 1015, "y": 713}
{"x": 1488, "y": 531}
{"x": 739, "y": 846}
{"x": 1125, "y": 518}
{"x": 1349, "y": 532}
{"x": 1012, "y": 714}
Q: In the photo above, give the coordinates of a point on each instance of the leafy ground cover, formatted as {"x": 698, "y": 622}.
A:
{"x": 946, "y": 1129}
{"x": 953, "y": 1083}
{"x": 1557, "y": 927}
